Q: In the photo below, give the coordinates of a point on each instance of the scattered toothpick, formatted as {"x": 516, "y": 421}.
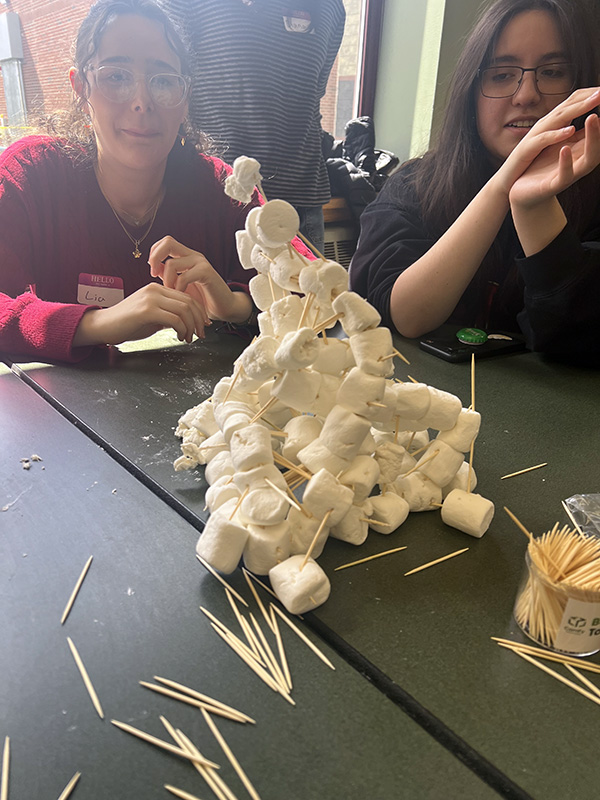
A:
{"x": 221, "y": 580}
{"x": 5, "y": 769}
{"x": 369, "y": 558}
{"x": 86, "y": 678}
{"x": 180, "y": 793}
{"x": 75, "y": 591}
{"x": 147, "y": 737}
{"x": 230, "y": 756}
{"x": 66, "y": 792}
{"x": 594, "y": 698}
{"x": 523, "y": 471}
{"x": 437, "y": 561}
{"x": 304, "y": 638}
{"x": 206, "y": 699}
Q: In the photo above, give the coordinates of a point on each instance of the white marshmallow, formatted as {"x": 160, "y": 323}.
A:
{"x": 369, "y": 349}
{"x": 223, "y": 390}
{"x": 303, "y": 530}
{"x": 461, "y": 480}
{"x": 251, "y": 225}
{"x": 297, "y": 388}
{"x": 210, "y": 448}
{"x": 244, "y": 246}
{"x": 419, "y": 492}
{"x": 334, "y": 356}
{"x": 236, "y": 422}
{"x": 263, "y": 507}
{"x": 444, "y": 466}
{"x": 298, "y": 349}
{"x": 265, "y": 292}
{"x": 251, "y": 447}
{"x": 226, "y": 409}
{"x": 470, "y": 513}
{"x": 183, "y": 463}
{"x": 359, "y": 315}
{"x": 315, "y": 456}
{"x": 383, "y": 414}
{"x": 326, "y": 280}
{"x": 278, "y": 414}
{"x": 203, "y": 419}
{"x": 223, "y": 540}
{"x": 464, "y": 432}
{"x": 219, "y": 492}
{"x": 389, "y": 509}
{"x": 343, "y": 432}
{"x": 368, "y": 446}
{"x": 301, "y": 431}
{"x": 358, "y": 389}
{"x": 256, "y": 478}
{"x": 412, "y": 400}
{"x": 285, "y": 270}
{"x": 258, "y": 359}
{"x": 261, "y": 259}
{"x": 278, "y": 222}
{"x": 393, "y": 461}
{"x": 361, "y": 476}
{"x": 220, "y": 466}
{"x": 324, "y": 493}
{"x": 353, "y": 527}
{"x": 300, "y": 590}
{"x": 192, "y": 436}
{"x": 245, "y": 176}
{"x": 443, "y": 410}
{"x": 328, "y": 389}
{"x": 286, "y": 314}
{"x": 266, "y": 547}
{"x": 265, "y": 325}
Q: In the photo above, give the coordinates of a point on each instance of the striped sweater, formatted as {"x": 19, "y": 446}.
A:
{"x": 260, "y": 69}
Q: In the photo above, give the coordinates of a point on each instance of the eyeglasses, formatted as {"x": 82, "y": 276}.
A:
{"x": 167, "y": 89}
{"x": 497, "y": 82}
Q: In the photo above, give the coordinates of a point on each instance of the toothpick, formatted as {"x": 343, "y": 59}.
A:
{"x": 147, "y": 737}
{"x": 410, "y": 378}
{"x": 420, "y": 464}
{"x": 369, "y": 558}
{"x": 523, "y": 471}
{"x": 180, "y": 793}
{"x": 259, "y": 602}
{"x": 401, "y": 357}
{"x": 396, "y": 429}
{"x": 572, "y": 518}
{"x": 237, "y": 374}
{"x": 437, "y": 561}
{"x": 420, "y": 450}
{"x": 470, "y": 472}
{"x": 315, "y": 538}
{"x": 212, "y": 778}
{"x": 594, "y": 698}
{"x": 548, "y": 655}
{"x": 326, "y": 323}
{"x": 372, "y": 521}
{"x": 375, "y": 404}
{"x": 271, "y": 661}
{"x": 241, "y": 499}
{"x": 5, "y": 769}
{"x": 310, "y": 246}
{"x": 205, "y": 698}
{"x": 221, "y": 580}
{"x": 308, "y": 301}
{"x": 86, "y": 679}
{"x": 263, "y": 410}
{"x": 216, "y": 623}
{"x": 232, "y": 759}
{"x": 410, "y": 441}
{"x": 291, "y": 500}
{"x": 281, "y": 650}
{"x": 75, "y": 591}
{"x": 191, "y": 701}
{"x": 304, "y": 638}
{"x": 473, "y": 381}
{"x": 66, "y": 792}
{"x": 533, "y": 541}
{"x": 259, "y": 582}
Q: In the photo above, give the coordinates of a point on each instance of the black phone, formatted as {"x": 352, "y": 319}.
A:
{"x": 451, "y": 349}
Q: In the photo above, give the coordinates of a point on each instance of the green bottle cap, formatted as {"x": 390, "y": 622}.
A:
{"x": 471, "y": 336}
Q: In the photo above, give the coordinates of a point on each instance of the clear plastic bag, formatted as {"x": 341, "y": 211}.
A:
{"x": 585, "y": 509}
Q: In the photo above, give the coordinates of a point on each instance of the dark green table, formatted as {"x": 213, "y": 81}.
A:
{"x": 136, "y": 616}
{"x": 424, "y": 639}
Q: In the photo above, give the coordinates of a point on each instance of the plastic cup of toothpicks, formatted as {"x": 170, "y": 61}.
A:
{"x": 558, "y": 601}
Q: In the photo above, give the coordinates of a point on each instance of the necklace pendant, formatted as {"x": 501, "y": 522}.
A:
{"x": 137, "y": 253}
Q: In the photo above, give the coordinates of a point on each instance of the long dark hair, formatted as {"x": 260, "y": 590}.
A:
{"x": 73, "y": 126}
{"x": 456, "y": 168}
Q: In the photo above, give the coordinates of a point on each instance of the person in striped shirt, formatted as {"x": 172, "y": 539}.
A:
{"x": 259, "y": 71}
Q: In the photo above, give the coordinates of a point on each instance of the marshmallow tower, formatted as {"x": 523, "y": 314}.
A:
{"x": 325, "y": 413}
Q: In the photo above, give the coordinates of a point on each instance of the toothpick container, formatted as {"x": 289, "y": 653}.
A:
{"x": 560, "y": 617}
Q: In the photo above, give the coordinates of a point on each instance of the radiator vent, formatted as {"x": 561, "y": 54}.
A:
{"x": 340, "y": 243}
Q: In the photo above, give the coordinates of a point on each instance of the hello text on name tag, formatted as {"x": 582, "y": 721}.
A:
{"x": 99, "y": 290}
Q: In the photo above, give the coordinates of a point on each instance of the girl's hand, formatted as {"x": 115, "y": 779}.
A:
{"x": 188, "y": 271}
{"x": 559, "y": 166}
{"x": 144, "y": 312}
{"x": 553, "y": 130}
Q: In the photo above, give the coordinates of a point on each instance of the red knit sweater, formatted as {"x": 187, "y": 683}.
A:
{"x": 55, "y": 224}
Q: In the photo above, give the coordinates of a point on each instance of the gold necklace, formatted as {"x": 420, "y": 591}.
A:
{"x": 136, "y": 242}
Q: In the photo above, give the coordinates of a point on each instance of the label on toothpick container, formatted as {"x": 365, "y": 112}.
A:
{"x": 99, "y": 290}
{"x": 579, "y": 629}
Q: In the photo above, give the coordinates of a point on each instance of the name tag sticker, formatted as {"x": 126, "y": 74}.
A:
{"x": 297, "y": 21}
{"x": 99, "y": 290}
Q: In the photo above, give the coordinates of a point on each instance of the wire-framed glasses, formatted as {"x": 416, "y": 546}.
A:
{"x": 497, "y": 82}
{"x": 167, "y": 89}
